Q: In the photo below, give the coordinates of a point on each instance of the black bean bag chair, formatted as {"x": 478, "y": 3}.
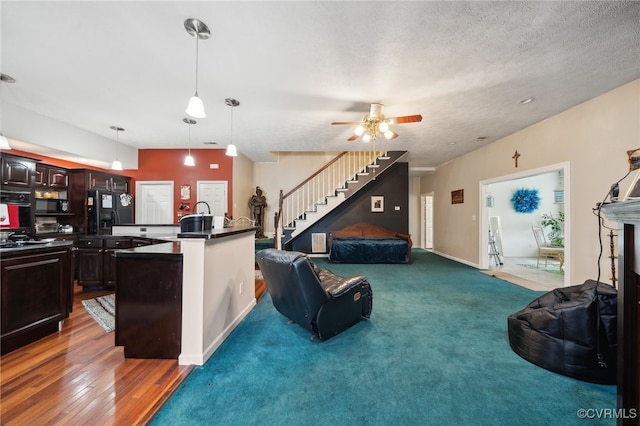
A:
{"x": 570, "y": 331}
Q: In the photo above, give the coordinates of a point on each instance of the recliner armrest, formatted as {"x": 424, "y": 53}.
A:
{"x": 336, "y": 285}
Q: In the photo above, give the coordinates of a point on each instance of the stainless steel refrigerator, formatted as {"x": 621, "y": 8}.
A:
{"x": 105, "y": 209}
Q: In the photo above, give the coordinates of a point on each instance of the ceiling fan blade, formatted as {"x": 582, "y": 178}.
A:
{"x": 405, "y": 119}
{"x": 353, "y": 138}
{"x": 345, "y": 123}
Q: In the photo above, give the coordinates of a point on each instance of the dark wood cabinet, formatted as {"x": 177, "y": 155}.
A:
{"x": 41, "y": 179}
{"x": 51, "y": 177}
{"x": 109, "y": 260}
{"x": 58, "y": 178}
{"x": 96, "y": 260}
{"x": 36, "y": 289}
{"x": 149, "y": 308}
{"x": 627, "y": 215}
{"x": 18, "y": 171}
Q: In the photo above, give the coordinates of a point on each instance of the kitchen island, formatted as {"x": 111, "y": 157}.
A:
{"x": 36, "y": 291}
{"x": 182, "y": 298}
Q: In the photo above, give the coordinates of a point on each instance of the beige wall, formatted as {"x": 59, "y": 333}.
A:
{"x": 593, "y": 137}
{"x": 243, "y": 186}
{"x": 290, "y": 169}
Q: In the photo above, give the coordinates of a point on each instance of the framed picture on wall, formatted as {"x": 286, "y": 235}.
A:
{"x": 377, "y": 203}
{"x": 185, "y": 192}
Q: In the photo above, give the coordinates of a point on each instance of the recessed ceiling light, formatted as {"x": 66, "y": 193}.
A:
{"x": 210, "y": 143}
{"x": 527, "y": 101}
{"x": 7, "y": 78}
{"x": 452, "y": 143}
{"x": 481, "y": 138}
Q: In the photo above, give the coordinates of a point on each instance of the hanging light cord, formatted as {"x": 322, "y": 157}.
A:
{"x": 231, "y": 130}
{"x": 197, "y": 63}
{"x": 190, "y": 137}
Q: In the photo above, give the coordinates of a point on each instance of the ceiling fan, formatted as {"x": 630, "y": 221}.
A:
{"x": 375, "y": 124}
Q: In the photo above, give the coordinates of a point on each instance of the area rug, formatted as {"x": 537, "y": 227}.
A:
{"x": 554, "y": 269}
{"x": 102, "y": 309}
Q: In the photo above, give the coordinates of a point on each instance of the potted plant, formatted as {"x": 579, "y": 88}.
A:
{"x": 556, "y": 235}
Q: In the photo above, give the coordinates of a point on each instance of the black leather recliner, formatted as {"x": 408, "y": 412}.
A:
{"x": 317, "y": 299}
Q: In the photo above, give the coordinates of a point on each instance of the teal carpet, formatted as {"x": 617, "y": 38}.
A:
{"x": 435, "y": 352}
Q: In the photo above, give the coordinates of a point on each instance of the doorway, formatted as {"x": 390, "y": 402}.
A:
{"x": 154, "y": 203}
{"x": 214, "y": 193}
{"x": 562, "y": 172}
{"x": 426, "y": 218}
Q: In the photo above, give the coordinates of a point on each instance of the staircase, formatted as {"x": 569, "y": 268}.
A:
{"x": 326, "y": 189}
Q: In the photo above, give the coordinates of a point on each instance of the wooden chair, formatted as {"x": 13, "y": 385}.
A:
{"x": 545, "y": 250}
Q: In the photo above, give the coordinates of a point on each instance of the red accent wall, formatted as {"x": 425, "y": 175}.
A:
{"x": 165, "y": 164}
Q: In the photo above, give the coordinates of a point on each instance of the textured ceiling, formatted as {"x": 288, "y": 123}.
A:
{"x": 297, "y": 66}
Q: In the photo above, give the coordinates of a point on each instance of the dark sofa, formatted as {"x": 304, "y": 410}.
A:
{"x": 366, "y": 243}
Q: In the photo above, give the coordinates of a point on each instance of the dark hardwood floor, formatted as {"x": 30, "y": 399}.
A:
{"x": 79, "y": 377}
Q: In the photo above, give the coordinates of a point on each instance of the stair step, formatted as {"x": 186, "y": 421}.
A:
{"x": 373, "y": 166}
{"x": 363, "y": 174}
{"x": 384, "y": 158}
{"x": 352, "y": 181}
{"x": 342, "y": 189}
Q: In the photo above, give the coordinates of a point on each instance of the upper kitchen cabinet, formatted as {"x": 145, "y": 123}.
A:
{"x": 107, "y": 182}
{"x": 85, "y": 180}
{"x": 51, "y": 177}
{"x": 18, "y": 171}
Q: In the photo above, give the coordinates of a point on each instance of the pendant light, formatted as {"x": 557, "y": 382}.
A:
{"x": 4, "y": 142}
{"x": 188, "y": 160}
{"x": 199, "y": 30}
{"x": 231, "y": 148}
{"x": 116, "y": 165}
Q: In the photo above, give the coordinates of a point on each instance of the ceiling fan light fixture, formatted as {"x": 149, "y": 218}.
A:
{"x": 383, "y": 126}
{"x": 390, "y": 134}
{"x": 366, "y": 138}
{"x": 359, "y": 130}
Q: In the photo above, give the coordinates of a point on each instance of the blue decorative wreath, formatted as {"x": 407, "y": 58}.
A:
{"x": 525, "y": 200}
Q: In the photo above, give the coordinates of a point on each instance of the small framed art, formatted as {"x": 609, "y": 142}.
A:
{"x": 377, "y": 203}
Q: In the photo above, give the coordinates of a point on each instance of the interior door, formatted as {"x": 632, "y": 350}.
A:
{"x": 214, "y": 192}
{"x": 428, "y": 211}
{"x": 154, "y": 203}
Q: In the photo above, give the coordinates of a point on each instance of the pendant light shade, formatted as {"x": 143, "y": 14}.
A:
{"x": 199, "y": 30}
{"x": 4, "y": 142}
{"x": 188, "y": 160}
{"x": 116, "y": 165}
{"x": 195, "y": 107}
{"x": 231, "y": 148}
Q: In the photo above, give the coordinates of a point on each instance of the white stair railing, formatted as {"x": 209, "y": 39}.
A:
{"x": 322, "y": 184}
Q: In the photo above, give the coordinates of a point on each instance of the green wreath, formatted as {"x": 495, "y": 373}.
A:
{"x": 525, "y": 200}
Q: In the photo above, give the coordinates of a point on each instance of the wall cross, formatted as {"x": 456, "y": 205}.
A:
{"x": 515, "y": 157}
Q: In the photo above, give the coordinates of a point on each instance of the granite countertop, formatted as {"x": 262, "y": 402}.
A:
{"x": 33, "y": 246}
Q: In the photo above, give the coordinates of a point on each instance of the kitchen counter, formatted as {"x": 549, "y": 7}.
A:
{"x": 182, "y": 298}
{"x": 31, "y": 247}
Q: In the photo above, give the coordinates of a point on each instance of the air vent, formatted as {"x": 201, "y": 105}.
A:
{"x": 318, "y": 243}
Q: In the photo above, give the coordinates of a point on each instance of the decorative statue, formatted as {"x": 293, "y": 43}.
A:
{"x": 258, "y": 204}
